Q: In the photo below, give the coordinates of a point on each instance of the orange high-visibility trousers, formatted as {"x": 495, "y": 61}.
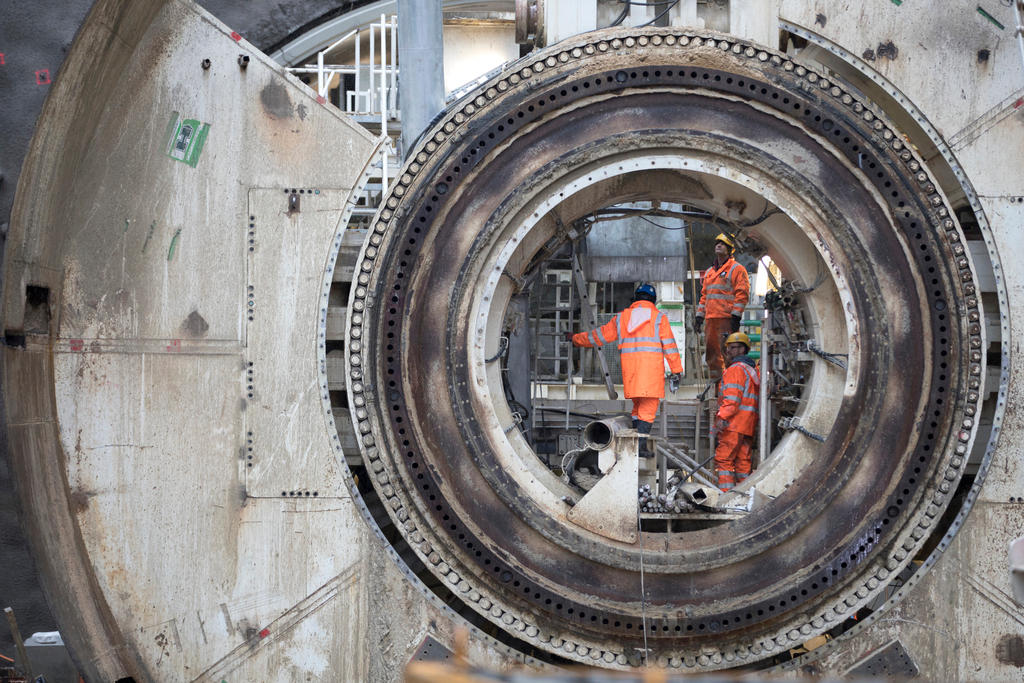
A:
{"x": 715, "y": 332}
{"x": 645, "y": 407}
{"x": 732, "y": 458}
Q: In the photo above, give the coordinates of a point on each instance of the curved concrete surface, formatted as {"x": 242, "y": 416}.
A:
{"x": 36, "y": 38}
{"x": 150, "y": 263}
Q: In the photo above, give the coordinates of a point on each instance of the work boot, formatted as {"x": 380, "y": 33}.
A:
{"x": 644, "y": 428}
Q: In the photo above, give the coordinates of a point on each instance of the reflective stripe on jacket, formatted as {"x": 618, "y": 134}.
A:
{"x": 644, "y": 339}
{"x": 724, "y": 291}
{"x": 738, "y": 394}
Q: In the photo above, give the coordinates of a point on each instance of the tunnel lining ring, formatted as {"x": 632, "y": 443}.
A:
{"x": 941, "y": 218}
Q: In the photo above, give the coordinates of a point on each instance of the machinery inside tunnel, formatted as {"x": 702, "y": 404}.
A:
{"x": 185, "y": 410}
{"x": 557, "y": 285}
{"x": 711, "y": 123}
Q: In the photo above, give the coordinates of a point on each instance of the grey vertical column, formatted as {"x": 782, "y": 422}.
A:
{"x": 519, "y": 344}
{"x": 764, "y": 408}
{"x": 420, "y": 67}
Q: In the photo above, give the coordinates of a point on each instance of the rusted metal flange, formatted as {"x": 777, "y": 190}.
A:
{"x": 431, "y": 430}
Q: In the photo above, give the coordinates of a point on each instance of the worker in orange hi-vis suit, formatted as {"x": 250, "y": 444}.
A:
{"x": 736, "y": 420}
{"x": 645, "y": 338}
{"x": 724, "y": 293}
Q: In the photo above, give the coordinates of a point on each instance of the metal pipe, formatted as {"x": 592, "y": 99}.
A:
{"x": 320, "y": 89}
{"x": 384, "y": 89}
{"x": 19, "y": 644}
{"x": 355, "y": 89}
{"x": 372, "y": 71}
{"x": 599, "y": 434}
{"x": 323, "y": 87}
{"x": 383, "y": 107}
{"x": 393, "y": 25}
{"x": 764, "y": 410}
{"x": 421, "y": 55}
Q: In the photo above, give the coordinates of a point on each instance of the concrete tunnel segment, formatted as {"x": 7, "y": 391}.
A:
{"x": 172, "y": 327}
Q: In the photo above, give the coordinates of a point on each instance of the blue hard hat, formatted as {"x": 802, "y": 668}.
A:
{"x": 645, "y": 289}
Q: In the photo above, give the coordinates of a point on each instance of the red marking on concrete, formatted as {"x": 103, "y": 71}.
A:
{"x": 76, "y": 344}
{"x": 236, "y": 35}
{"x": 175, "y": 345}
{"x": 43, "y": 77}
{"x": 3, "y": 59}
{"x": 321, "y": 99}
{"x": 1018, "y": 103}
{"x": 264, "y": 633}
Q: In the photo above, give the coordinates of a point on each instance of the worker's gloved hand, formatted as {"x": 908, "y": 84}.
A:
{"x": 735, "y": 323}
{"x": 569, "y": 336}
{"x": 673, "y": 382}
{"x": 698, "y": 323}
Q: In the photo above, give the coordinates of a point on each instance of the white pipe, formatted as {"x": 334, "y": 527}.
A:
{"x": 323, "y": 88}
{"x": 320, "y": 73}
{"x": 383, "y": 81}
{"x": 392, "y": 108}
{"x": 373, "y": 69}
{"x": 383, "y": 106}
{"x": 341, "y": 40}
{"x": 355, "y": 100}
{"x": 334, "y": 68}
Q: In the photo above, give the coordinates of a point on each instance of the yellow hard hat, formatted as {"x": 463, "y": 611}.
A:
{"x": 722, "y": 237}
{"x": 738, "y": 338}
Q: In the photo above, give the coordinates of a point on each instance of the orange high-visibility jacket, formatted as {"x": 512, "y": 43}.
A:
{"x": 738, "y": 393}
{"x": 645, "y": 337}
{"x": 724, "y": 291}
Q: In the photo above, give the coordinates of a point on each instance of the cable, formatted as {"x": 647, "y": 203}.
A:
{"x": 810, "y": 434}
{"x": 614, "y": 213}
{"x": 622, "y": 15}
{"x": 663, "y": 227}
{"x": 834, "y": 358}
{"x": 765, "y": 215}
{"x": 583, "y": 480}
{"x": 788, "y": 423}
{"x": 651, "y": 23}
{"x": 518, "y": 408}
{"x": 817, "y": 280}
{"x": 502, "y": 348}
{"x": 569, "y": 464}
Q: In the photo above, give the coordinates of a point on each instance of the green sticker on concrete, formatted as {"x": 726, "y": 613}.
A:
{"x": 185, "y": 138}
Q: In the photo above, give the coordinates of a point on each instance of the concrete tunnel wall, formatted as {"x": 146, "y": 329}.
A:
{"x": 36, "y": 41}
{"x": 146, "y": 264}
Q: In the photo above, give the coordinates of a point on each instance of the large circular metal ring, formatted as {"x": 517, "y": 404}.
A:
{"x": 479, "y": 197}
